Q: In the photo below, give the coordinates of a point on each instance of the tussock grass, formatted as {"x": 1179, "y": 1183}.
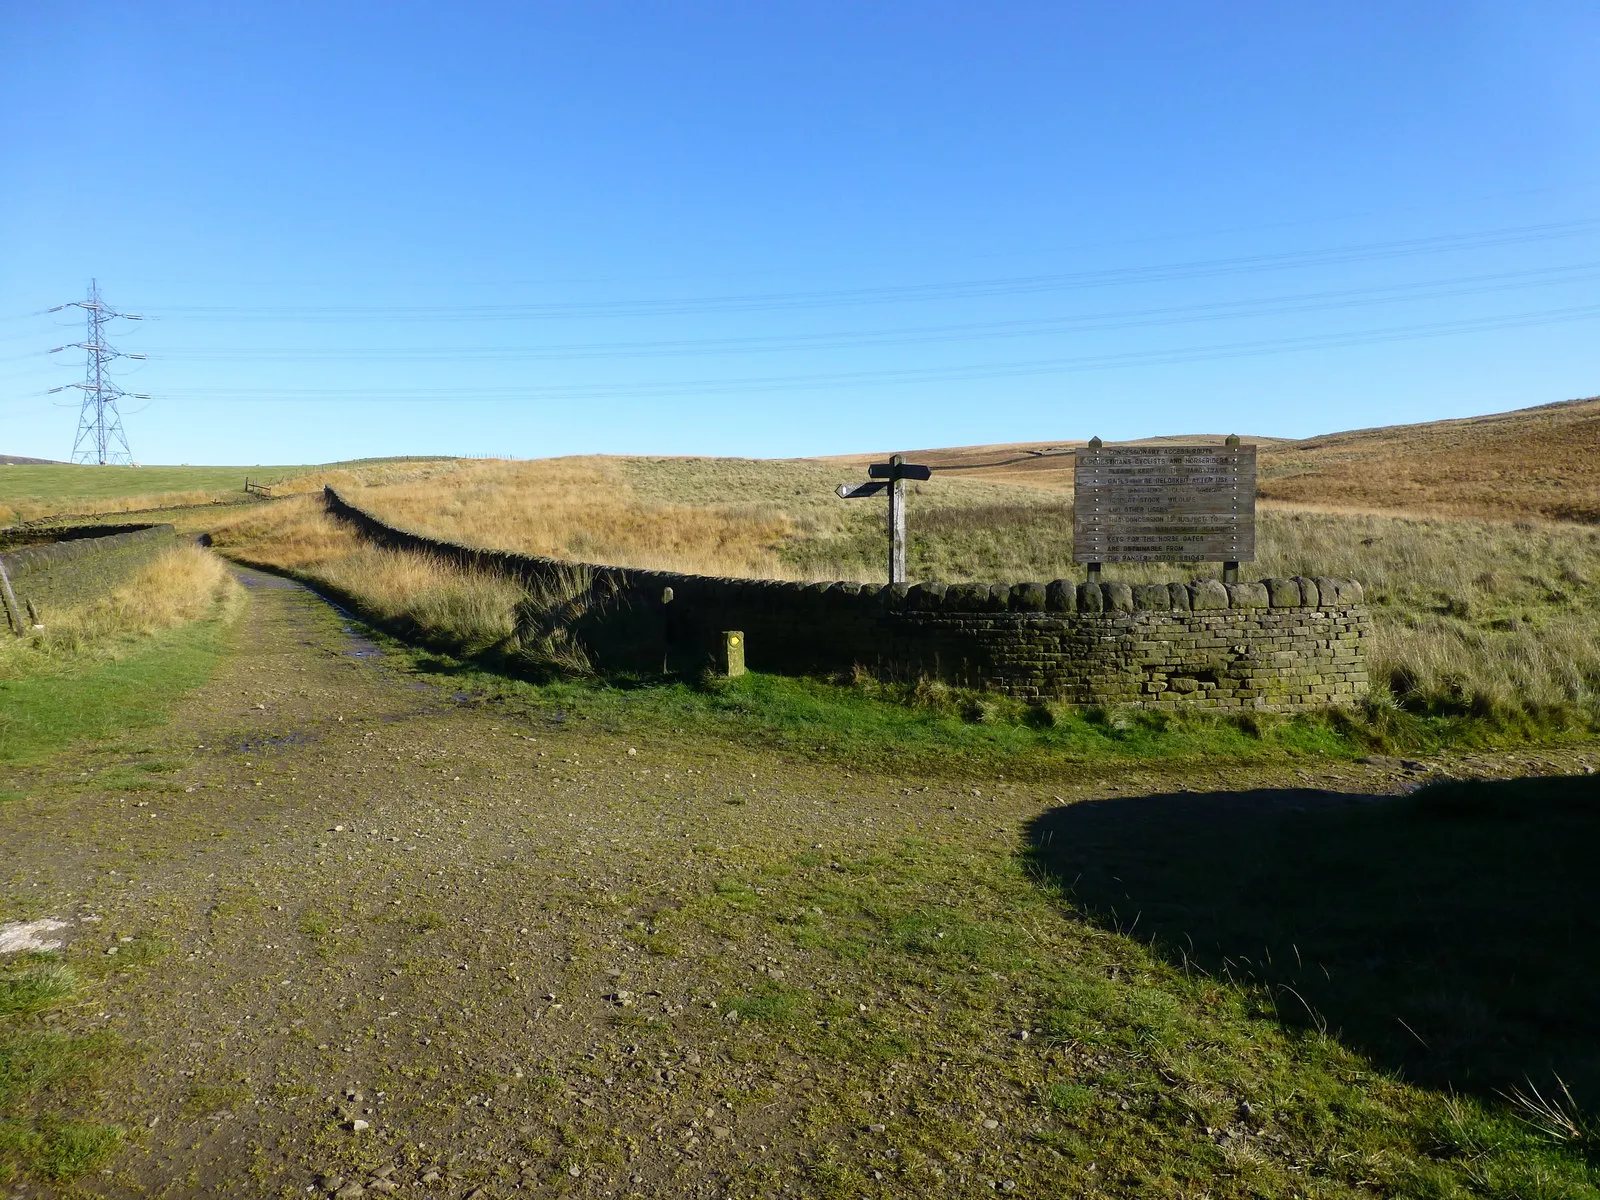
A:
{"x": 287, "y": 535}
{"x": 181, "y": 585}
{"x": 582, "y": 509}
{"x": 415, "y": 595}
{"x": 467, "y": 610}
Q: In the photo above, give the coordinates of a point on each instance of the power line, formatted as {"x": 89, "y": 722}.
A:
{"x": 971, "y": 372}
{"x": 900, "y": 293}
{"x": 915, "y": 335}
{"x": 100, "y": 437}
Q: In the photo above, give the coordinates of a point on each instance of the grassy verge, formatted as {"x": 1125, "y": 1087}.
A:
{"x": 953, "y": 1027}
{"x": 1433, "y": 932}
{"x": 42, "y": 1074}
{"x": 884, "y": 727}
{"x": 117, "y": 664}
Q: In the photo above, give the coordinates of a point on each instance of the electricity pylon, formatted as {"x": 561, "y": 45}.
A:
{"x": 100, "y": 437}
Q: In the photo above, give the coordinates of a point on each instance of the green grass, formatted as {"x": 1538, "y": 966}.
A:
{"x": 1439, "y": 933}
{"x": 37, "y": 1063}
{"x": 914, "y": 971}
{"x": 877, "y": 726}
{"x": 62, "y": 486}
{"x": 31, "y": 490}
{"x": 56, "y": 1150}
{"x": 871, "y": 727}
{"x": 82, "y": 698}
{"x": 35, "y": 988}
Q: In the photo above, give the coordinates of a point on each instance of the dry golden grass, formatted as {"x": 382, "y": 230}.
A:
{"x": 290, "y": 535}
{"x": 583, "y": 509}
{"x": 1484, "y": 615}
{"x": 1533, "y": 462}
{"x": 466, "y": 610}
{"x": 184, "y": 584}
{"x": 1538, "y": 462}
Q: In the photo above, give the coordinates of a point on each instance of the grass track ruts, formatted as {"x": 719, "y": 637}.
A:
{"x": 542, "y": 959}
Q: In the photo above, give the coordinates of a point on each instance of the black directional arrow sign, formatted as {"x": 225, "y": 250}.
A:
{"x": 894, "y": 470}
{"x": 854, "y": 491}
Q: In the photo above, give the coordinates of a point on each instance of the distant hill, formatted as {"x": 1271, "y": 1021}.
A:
{"x": 1542, "y": 462}
{"x": 1038, "y": 464}
{"x": 17, "y": 460}
{"x": 1534, "y": 462}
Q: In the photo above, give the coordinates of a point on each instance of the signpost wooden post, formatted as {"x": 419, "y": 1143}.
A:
{"x": 890, "y": 477}
{"x": 1165, "y": 504}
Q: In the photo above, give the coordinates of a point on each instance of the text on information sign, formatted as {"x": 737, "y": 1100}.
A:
{"x": 1165, "y": 504}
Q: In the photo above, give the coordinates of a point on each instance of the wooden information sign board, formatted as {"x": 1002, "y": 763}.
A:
{"x": 1165, "y": 504}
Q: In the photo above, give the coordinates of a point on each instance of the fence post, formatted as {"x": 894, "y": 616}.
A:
{"x": 12, "y": 611}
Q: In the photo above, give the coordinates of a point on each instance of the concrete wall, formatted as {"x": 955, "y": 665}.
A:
{"x": 70, "y": 567}
{"x": 1280, "y": 644}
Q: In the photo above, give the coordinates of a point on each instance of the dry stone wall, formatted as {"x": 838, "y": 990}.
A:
{"x": 73, "y": 566}
{"x": 1277, "y": 644}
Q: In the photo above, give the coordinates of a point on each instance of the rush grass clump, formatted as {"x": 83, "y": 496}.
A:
{"x": 466, "y": 611}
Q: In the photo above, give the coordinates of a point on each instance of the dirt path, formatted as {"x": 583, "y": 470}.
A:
{"x": 348, "y": 898}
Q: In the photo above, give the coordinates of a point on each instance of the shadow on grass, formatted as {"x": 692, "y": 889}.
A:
{"x": 1451, "y": 934}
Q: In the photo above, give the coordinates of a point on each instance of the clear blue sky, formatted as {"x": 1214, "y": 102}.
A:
{"x": 794, "y": 228}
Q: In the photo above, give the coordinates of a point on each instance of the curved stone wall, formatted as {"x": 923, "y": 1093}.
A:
{"x": 70, "y": 567}
{"x": 1278, "y": 644}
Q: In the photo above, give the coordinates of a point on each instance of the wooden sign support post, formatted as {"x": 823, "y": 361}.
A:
{"x": 1230, "y": 570}
{"x": 890, "y": 477}
{"x": 897, "y": 523}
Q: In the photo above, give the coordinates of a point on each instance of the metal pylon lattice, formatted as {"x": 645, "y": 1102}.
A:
{"x": 100, "y": 438}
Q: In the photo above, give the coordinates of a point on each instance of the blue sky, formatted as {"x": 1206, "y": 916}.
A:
{"x": 786, "y": 228}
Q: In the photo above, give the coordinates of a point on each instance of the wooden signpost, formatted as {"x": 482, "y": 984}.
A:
{"x": 1165, "y": 504}
{"x": 890, "y": 477}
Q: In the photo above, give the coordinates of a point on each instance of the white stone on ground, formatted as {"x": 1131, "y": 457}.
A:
{"x": 19, "y": 936}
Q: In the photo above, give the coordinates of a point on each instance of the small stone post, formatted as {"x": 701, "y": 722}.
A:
{"x": 732, "y": 653}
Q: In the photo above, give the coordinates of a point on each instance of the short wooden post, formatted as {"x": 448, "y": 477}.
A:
{"x": 10, "y": 597}
{"x": 1093, "y": 572}
{"x": 732, "y": 653}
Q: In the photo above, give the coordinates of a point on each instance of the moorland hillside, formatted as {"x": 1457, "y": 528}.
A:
{"x": 1532, "y": 462}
